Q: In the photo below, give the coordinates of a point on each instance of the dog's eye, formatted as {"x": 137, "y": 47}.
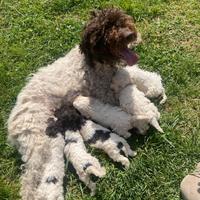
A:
{"x": 129, "y": 35}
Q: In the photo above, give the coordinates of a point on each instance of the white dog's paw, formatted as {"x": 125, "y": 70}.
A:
{"x": 90, "y": 167}
{"x": 90, "y": 172}
{"x": 158, "y": 93}
{"x": 87, "y": 167}
{"x": 120, "y": 144}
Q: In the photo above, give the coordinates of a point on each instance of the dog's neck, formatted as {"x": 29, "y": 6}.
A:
{"x": 99, "y": 78}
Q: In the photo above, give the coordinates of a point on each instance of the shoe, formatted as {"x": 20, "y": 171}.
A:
{"x": 190, "y": 185}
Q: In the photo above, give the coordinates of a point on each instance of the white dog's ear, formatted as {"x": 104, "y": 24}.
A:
{"x": 155, "y": 124}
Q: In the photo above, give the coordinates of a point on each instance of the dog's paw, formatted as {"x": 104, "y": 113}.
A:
{"x": 90, "y": 171}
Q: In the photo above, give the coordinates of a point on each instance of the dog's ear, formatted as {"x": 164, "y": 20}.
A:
{"x": 94, "y": 13}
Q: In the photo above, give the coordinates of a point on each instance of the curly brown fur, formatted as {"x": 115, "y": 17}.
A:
{"x": 108, "y": 32}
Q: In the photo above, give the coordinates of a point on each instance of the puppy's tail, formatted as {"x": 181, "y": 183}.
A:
{"x": 155, "y": 124}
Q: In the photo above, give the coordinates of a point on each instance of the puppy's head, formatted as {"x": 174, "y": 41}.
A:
{"x": 106, "y": 37}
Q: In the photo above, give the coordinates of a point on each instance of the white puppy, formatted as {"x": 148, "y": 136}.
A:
{"x": 105, "y": 114}
{"x": 150, "y": 83}
{"x": 143, "y": 111}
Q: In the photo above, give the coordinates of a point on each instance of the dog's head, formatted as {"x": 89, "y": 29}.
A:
{"x": 106, "y": 37}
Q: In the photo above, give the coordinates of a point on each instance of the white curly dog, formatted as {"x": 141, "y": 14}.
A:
{"x": 44, "y": 123}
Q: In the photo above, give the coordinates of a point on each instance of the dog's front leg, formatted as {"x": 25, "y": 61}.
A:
{"x": 43, "y": 167}
{"x": 105, "y": 114}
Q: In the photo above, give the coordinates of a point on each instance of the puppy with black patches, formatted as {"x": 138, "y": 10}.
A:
{"x": 68, "y": 124}
{"x": 115, "y": 146}
{"x": 87, "y": 167}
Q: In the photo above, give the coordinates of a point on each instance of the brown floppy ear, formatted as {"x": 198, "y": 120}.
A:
{"x": 91, "y": 35}
{"x": 94, "y": 13}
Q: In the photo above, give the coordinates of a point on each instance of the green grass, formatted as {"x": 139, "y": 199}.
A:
{"x": 34, "y": 33}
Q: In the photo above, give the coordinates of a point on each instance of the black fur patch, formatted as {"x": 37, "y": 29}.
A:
{"x": 67, "y": 141}
{"x": 134, "y": 130}
{"x": 52, "y": 179}
{"x": 94, "y": 178}
{"x": 86, "y": 166}
{"x": 122, "y": 153}
{"x": 101, "y": 135}
{"x": 120, "y": 145}
{"x": 53, "y": 128}
{"x": 68, "y": 118}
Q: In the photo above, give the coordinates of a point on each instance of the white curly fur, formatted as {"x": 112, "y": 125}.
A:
{"x": 76, "y": 153}
{"x": 112, "y": 144}
{"x": 28, "y": 121}
{"x": 150, "y": 83}
{"x": 105, "y": 114}
{"x": 43, "y": 94}
{"x": 53, "y": 173}
{"x": 36, "y": 104}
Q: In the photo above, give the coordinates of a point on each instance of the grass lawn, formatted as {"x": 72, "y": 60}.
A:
{"x": 34, "y": 33}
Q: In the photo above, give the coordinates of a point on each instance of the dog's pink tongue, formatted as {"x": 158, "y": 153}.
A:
{"x": 130, "y": 57}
